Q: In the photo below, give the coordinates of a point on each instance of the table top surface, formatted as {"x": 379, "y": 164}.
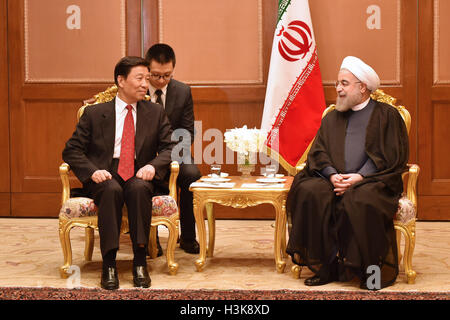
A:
{"x": 239, "y": 182}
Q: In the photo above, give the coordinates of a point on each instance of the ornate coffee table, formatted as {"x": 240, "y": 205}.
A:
{"x": 239, "y": 197}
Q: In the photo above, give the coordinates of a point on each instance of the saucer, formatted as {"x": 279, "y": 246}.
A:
{"x": 215, "y": 179}
{"x": 278, "y": 175}
{"x": 270, "y": 180}
{"x": 222, "y": 175}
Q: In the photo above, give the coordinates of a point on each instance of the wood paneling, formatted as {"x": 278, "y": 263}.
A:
{"x": 222, "y": 45}
{"x": 5, "y": 204}
{"x": 4, "y": 113}
{"x": 36, "y": 119}
{"x": 434, "y": 207}
{"x": 35, "y": 204}
{"x": 433, "y": 112}
{"x": 371, "y": 23}
{"x": 74, "y": 40}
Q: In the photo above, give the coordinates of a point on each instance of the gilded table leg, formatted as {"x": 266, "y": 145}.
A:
{"x": 280, "y": 229}
{"x": 198, "y": 213}
{"x": 211, "y": 228}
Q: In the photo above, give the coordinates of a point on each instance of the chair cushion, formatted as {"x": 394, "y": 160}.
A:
{"x": 78, "y": 207}
{"x": 163, "y": 206}
{"x": 406, "y": 210}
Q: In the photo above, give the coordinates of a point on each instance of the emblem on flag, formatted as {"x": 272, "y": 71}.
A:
{"x": 295, "y": 37}
{"x": 294, "y": 97}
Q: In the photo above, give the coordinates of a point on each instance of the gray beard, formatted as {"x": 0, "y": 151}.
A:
{"x": 346, "y": 103}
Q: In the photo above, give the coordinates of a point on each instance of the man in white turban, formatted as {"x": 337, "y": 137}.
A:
{"x": 356, "y": 81}
{"x": 342, "y": 204}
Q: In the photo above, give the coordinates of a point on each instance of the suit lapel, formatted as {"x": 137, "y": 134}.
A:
{"x": 170, "y": 98}
{"x": 142, "y": 121}
{"x": 108, "y": 125}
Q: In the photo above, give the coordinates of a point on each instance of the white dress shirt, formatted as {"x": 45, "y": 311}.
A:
{"x": 121, "y": 113}
{"x": 153, "y": 95}
{"x": 361, "y": 105}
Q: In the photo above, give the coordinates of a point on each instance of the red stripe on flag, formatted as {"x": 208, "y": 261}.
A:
{"x": 299, "y": 118}
{"x": 302, "y": 119}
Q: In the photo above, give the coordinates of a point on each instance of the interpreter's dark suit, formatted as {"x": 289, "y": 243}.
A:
{"x": 91, "y": 148}
{"x": 180, "y": 111}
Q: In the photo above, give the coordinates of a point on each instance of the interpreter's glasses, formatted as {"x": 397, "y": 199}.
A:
{"x": 166, "y": 76}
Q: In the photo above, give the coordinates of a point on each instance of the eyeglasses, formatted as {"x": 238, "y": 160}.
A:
{"x": 344, "y": 83}
{"x": 166, "y": 76}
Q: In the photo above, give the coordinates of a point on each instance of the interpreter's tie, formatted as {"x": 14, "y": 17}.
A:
{"x": 126, "y": 161}
{"x": 158, "y": 97}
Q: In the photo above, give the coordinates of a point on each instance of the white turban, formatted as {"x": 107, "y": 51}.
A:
{"x": 362, "y": 71}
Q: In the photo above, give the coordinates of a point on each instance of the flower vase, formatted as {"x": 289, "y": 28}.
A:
{"x": 246, "y": 170}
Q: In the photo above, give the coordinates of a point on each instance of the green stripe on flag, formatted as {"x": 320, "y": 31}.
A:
{"x": 282, "y": 6}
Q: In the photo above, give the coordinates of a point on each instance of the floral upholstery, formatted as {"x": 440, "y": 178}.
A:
{"x": 406, "y": 210}
{"x": 78, "y": 207}
{"x": 162, "y": 206}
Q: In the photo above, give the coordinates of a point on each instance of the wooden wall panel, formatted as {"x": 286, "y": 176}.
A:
{"x": 5, "y": 204}
{"x": 41, "y": 128}
{"x": 79, "y": 47}
{"x": 5, "y": 208}
{"x": 369, "y": 24}
{"x": 222, "y": 45}
{"x": 35, "y": 204}
{"x": 433, "y": 111}
{"x": 441, "y": 144}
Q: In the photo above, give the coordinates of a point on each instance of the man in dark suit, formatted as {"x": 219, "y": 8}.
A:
{"x": 176, "y": 98}
{"x": 120, "y": 150}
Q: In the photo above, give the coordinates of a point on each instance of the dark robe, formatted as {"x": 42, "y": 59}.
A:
{"x": 343, "y": 235}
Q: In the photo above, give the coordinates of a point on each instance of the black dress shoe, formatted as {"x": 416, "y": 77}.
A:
{"x": 110, "y": 280}
{"x": 316, "y": 281}
{"x": 158, "y": 245}
{"x": 141, "y": 278}
{"x": 159, "y": 252}
{"x": 190, "y": 246}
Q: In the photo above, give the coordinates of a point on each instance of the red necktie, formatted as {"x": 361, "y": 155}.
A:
{"x": 126, "y": 162}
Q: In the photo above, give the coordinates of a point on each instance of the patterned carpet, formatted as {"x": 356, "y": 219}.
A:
{"x": 242, "y": 268}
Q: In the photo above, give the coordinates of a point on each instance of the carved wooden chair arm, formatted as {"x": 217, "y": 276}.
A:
{"x": 411, "y": 188}
{"x": 64, "y": 174}
{"x": 174, "y": 170}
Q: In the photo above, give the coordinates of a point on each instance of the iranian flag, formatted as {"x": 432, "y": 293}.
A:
{"x": 294, "y": 98}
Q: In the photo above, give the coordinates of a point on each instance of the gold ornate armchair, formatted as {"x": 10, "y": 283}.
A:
{"x": 405, "y": 218}
{"x": 82, "y": 212}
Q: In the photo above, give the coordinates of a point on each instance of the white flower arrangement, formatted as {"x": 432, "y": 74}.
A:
{"x": 245, "y": 141}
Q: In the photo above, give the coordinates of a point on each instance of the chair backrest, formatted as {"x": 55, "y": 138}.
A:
{"x": 378, "y": 95}
{"x": 101, "y": 97}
